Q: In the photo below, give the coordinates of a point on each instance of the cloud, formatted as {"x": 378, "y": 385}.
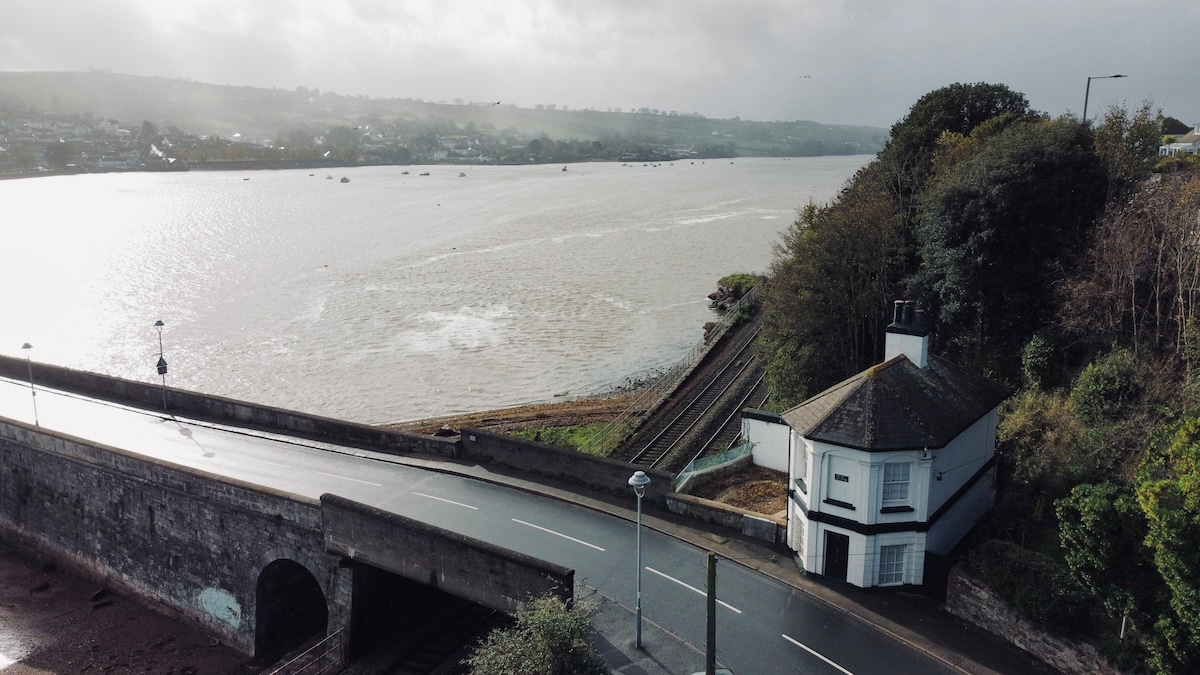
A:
{"x": 867, "y": 61}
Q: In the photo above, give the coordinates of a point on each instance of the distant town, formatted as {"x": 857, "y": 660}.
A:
{"x": 125, "y": 123}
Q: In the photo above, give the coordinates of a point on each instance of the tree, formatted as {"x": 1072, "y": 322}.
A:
{"x": 1129, "y": 146}
{"x": 957, "y": 108}
{"x": 549, "y": 638}
{"x": 998, "y": 232}
{"x": 1141, "y": 284}
{"x": 1169, "y": 493}
{"x": 832, "y": 285}
{"x": 61, "y": 154}
{"x": 1102, "y": 528}
{"x": 23, "y": 156}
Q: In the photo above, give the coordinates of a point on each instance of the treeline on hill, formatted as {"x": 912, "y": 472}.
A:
{"x": 278, "y": 125}
{"x": 1061, "y": 257}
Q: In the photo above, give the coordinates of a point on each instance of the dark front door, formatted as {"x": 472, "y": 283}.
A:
{"x": 837, "y": 555}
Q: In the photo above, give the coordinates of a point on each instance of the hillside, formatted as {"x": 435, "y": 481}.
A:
{"x": 214, "y": 109}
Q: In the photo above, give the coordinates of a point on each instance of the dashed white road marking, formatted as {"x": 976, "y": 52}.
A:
{"x": 365, "y": 482}
{"x": 693, "y": 589}
{"x": 263, "y": 461}
{"x": 448, "y": 501}
{"x": 557, "y": 534}
{"x": 814, "y": 653}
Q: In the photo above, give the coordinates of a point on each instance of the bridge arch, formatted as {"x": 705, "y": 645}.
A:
{"x": 290, "y": 604}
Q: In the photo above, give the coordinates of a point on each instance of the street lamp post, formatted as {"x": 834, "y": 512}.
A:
{"x": 162, "y": 363}
{"x": 32, "y": 391}
{"x": 1088, "y": 91}
{"x": 638, "y": 482}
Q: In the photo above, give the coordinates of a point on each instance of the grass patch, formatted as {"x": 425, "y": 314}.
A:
{"x": 570, "y": 437}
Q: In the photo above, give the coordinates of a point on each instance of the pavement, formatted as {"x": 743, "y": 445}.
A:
{"x": 912, "y": 618}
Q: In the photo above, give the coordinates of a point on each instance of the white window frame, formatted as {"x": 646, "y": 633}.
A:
{"x": 891, "y": 564}
{"x": 897, "y": 491}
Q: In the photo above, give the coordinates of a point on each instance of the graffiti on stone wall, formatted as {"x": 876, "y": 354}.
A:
{"x": 222, "y": 606}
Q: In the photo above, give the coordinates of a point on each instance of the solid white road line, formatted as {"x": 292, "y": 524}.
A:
{"x": 557, "y": 534}
{"x": 810, "y": 651}
{"x": 693, "y": 589}
{"x": 365, "y": 482}
{"x": 465, "y": 506}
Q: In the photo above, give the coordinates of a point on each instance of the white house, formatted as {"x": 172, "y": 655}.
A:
{"x": 1187, "y": 143}
{"x": 894, "y": 462}
{"x": 769, "y": 438}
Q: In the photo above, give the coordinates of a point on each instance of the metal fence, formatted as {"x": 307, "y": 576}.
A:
{"x": 711, "y": 462}
{"x": 629, "y": 420}
{"x": 325, "y": 656}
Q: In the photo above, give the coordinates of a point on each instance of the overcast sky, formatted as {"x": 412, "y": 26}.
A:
{"x": 833, "y": 61}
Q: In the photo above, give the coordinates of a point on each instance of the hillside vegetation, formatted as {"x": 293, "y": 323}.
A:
{"x": 276, "y": 114}
{"x": 1060, "y": 257}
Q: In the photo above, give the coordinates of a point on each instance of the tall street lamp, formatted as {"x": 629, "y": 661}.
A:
{"x": 1089, "y": 89}
{"x": 638, "y": 482}
{"x": 32, "y": 391}
{"x": 162, "y": 363}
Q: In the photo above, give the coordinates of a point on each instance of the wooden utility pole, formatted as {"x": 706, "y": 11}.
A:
{"x": 710, "y": 652}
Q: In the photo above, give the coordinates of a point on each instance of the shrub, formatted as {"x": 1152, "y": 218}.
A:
{"x": 1041, "y": 443}
{"x": 738, "y": 284}
{"x": 1040, "y": 588}
{"x": 1104, "y": 387}
{"x": 1037, "y": 362}
{"x": 549, "y": 638}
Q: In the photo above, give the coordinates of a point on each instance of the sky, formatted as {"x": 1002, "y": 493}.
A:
{"x": 861, "y": 62}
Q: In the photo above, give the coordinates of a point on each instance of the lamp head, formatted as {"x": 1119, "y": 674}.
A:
{"x": 26, "y": 346}
{"x": 638, "y": 481}
{"x": 159, "y": 324}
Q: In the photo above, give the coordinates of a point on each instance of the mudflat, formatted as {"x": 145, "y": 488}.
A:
{"x": 54, "y": 622}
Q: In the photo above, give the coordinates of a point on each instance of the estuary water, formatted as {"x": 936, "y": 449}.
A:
{"x": 392, "y": 296}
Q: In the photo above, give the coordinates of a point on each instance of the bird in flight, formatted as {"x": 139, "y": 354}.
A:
{"x": 804, "y": 77}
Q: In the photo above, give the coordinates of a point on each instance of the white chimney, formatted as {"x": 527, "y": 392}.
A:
{"x": 907, "y": 334}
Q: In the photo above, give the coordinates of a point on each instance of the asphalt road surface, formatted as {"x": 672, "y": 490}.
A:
{"x": 762, "y": 626}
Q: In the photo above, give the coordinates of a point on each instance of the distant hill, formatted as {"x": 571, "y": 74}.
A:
{"x": 211, "y": 109}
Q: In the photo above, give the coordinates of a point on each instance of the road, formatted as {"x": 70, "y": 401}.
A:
{"x": 762, "y": 626}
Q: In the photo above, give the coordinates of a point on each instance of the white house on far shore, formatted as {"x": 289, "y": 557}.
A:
{"x": 894, "y": 462}
{"x": 1186, "y": 143}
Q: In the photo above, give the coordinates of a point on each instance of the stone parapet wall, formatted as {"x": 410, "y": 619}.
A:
{"x": 599, "y": 473}
{"x": 757, "y": 525}
{"x": 462, "y": 566}
{"x": 970, "y": 599}
{"x": 203, "y": 406}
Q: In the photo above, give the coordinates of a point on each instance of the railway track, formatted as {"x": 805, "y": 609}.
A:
{"x": 698, "y": 407}
{"x": 731, "y": 427}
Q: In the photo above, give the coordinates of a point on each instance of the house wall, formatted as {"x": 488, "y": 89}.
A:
{"x": 961, "y": 459}
{"x": 769, "y": 439}
{"x": 945, "y": 534}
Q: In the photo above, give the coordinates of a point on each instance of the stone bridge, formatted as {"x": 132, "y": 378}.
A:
{"x": 264, "y": 570}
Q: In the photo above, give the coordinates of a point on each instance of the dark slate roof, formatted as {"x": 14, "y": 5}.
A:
{"x": 898, "y": 406}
